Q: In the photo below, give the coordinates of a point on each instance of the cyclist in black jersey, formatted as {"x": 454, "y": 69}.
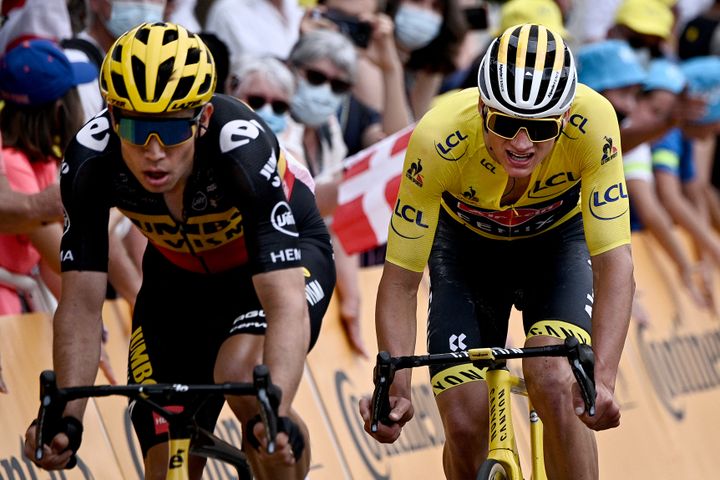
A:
{"x": 238, "y": 269}
{"x": 513, "y": 195}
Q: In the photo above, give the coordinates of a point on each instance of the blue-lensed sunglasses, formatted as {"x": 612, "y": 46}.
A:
{"x": 169, "y": 132}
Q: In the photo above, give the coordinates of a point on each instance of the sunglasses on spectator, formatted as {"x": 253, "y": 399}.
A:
{"x": 315, "y": 77}
{"x": 257, "y": 102}
{"x": 170, "y": 132}
{"x": 537, "y": 129}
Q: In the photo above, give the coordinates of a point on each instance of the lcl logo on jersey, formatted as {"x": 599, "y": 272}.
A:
{"x": 409, "y": 214}
{"x": 610, "y": 203}
{"x": 578, "y": 121}
{"x": 544, "y": 188}
{"x": 446, "y": 147}
{"x": 237, "y": 133}
{"x": 282, "y": 219}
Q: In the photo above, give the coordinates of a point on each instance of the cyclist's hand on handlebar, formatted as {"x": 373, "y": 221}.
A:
{"x": 607, "y": 410}
{"x": 289, "y": 442}
{"x": 55, "y": 456}
{"x": 401, "y": 412}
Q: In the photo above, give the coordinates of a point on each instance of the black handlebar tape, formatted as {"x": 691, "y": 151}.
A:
{"x": 382, "y": 378}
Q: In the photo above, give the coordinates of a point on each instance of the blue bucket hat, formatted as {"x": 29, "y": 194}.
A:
{"x": 609, "y": 64}
{"x": 664, "y": 75}
{"x": 36, "y": 72}
{"x": 703, "y": 79}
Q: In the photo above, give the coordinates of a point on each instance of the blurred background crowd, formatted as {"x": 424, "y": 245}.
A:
{"x": 332, "y": 77}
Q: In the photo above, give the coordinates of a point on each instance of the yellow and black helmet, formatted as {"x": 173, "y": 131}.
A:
{"x": 528, "y": 71}
{"x": 158, "y": 67}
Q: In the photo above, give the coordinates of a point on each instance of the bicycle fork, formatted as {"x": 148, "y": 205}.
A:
{"x": 502, "y": 443}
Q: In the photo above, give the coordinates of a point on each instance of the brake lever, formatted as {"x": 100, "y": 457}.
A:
{"x": 268, "y": 396}
{"x": 50, "y": 413}
{"x": 582, "y": 363}
{"x": 383, "y": 375}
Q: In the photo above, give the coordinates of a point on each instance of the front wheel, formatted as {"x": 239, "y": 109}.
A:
{"x": 492, "y": 470}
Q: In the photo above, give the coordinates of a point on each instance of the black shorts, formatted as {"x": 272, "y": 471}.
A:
{"x": 182, "y": 318}
{"x": 475, "y": 281}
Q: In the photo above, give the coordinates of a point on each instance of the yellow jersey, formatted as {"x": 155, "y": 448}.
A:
{"x": 448, "y": 166}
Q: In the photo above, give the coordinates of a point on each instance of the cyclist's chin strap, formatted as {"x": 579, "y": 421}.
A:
{"x": 285, "y": 425}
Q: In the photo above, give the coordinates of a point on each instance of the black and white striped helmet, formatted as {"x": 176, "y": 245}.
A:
{"x": 528, "y": 71}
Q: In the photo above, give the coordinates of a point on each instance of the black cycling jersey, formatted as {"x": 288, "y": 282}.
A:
{"x": 235, "y": 208}
{"x": 247, "y": 209}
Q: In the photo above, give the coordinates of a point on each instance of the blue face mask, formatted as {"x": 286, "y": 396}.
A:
{"x": 416, "y": 27}
{"x": 126, "y": 15}
{"x": 277, "y": 122}
{"x": 313, "y": 105}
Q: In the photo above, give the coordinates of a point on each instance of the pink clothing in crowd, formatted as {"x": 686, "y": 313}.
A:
{"x": 17, "y": 254}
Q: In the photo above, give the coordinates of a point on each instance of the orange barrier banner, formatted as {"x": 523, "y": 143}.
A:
{"x": 25, "y": 344}
{"x": 342, "y": 378}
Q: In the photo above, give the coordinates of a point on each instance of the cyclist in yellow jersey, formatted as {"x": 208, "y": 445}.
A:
{"x": 513, "y": 195}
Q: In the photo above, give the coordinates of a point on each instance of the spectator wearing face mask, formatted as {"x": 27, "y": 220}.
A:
{"x": 325, "y": 64}
{"x": 428, "y": 35}
{"x": 106, "y": 20}
{"x": 267, "y": 86}
{"x": 378, "y": 69}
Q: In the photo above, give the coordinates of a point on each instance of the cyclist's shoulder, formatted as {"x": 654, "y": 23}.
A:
{"x": 237, "y": 132}
{"x": 450, "y": 128}
{"x": 592, "y": 106}
{"x": 453, "y": 109}
{"x": 94, "y": 140}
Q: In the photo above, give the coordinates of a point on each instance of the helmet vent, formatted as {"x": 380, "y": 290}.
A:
{"x": 183, "y": 88}
{"x": 117, "y": 53}
{"x": 119, "y": 85}
{"x": 169, "y": 36}
{"x": 142, "y": 35}
{"x": 138, "y": 76}
{"x": 164, "y": 73}
{"x": 206, "y": 85}
{"x": 193, "y": 56}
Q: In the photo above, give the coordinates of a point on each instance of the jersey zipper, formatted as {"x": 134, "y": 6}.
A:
{"x": 181, "y": 226}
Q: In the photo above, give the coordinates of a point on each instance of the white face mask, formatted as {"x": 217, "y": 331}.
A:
{"x": 416, "y": 27}
{"x": 312, "y": 105}
{"x": 127, "y": 14}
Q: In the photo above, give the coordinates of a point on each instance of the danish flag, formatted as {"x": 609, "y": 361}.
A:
{"x": 367, "y": 193}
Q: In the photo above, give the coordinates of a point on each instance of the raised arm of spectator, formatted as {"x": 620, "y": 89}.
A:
{"x": 383, "y": 53}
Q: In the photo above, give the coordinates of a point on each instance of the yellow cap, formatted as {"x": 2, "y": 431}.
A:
{"x": 650, "y": 17}
{"x": 543, "y": 12}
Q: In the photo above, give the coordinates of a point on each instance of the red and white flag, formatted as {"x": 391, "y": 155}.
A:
{"x": 367, "y": 194}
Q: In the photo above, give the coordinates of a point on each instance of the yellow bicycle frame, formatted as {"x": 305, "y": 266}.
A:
{"x": 502, "y": 445}
{"x": 179, "y": 454}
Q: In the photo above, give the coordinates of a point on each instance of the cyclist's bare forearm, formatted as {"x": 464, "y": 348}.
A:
{"x": 396, "y": 317}
{"x": 614, "y": 286}
{"x": 282, "y": 295}
{"x": 77, "y": 331}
